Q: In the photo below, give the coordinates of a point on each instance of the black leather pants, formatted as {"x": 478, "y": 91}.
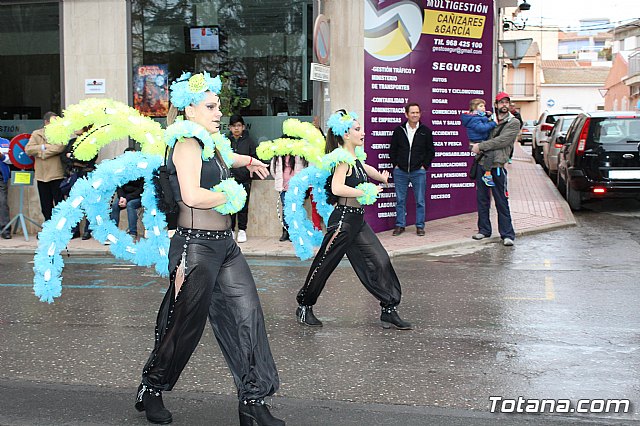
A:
{"x": 348, "y": 233}
{"x": 218, "y": 284}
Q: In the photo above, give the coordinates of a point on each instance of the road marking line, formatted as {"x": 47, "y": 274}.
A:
{"x": 549, "y": 289}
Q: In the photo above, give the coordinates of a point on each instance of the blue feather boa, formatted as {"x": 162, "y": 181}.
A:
{"x": 92, "y": 195}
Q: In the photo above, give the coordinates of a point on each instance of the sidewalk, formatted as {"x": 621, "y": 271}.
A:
{"x": 536, "y": 206}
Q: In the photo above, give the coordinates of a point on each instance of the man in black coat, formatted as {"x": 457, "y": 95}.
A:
{"x": 411, "y": 153}
{"x": 243, "y": 144}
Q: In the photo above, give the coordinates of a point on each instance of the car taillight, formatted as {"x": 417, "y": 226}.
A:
{"x": 546, "y": 127}
{"x": 599, "y": 190}
{"x": 557, "y": 145}
{"x": 582, "y": 141}
{"x": 525, "y": 130}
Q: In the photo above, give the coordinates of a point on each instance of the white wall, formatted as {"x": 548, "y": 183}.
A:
{"x": 586, "y": 97}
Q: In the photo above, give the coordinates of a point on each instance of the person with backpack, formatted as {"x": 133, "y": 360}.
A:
{"x": 241, "y": 143}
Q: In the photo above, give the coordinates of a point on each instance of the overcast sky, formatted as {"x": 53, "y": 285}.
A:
{"x": 568, "y": 12}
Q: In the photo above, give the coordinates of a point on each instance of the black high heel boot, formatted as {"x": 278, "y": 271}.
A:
{"x": 285, "y": 235}
{"x": 305, "y": 316}
{"x": 256, "y": 410}
{"x": 150, "y": 401}
{"x": 389, "y": 317}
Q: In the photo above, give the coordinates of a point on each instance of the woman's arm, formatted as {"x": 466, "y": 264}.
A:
{"x": 376, "y": 175}
{"x": 188, "y": 161}
{"x": 338, "y": 186}
{"x": 254, "y": 166}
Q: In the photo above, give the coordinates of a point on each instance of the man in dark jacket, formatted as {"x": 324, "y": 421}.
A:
{"x": 128, "y": 196}
{"x": 411, "y": 153}
{"x": 241, "y": 143}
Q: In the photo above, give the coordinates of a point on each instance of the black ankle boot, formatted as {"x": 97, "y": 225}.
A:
{"x": 285, "y": 235}
{"x": 389, "y": 317}
{"x": 256, "y": 410}
{"x": 305, "y": 316}
{"x": 150, "y": 401}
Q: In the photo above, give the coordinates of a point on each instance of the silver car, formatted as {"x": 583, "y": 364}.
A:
{"x": 526, "y": 133}
{"x": 555, "y": 141}
{"x": 543, "y": 127}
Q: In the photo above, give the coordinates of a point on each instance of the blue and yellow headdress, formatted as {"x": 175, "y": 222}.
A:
{"x": 189, "y": 89}
{"x": 340, "y": 123}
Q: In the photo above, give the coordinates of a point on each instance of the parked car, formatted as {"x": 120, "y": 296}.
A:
{"x": 526, "y": 133}
{"x": 554, "y": 143}
{"x": 600, "y": 157}
{"x": 544, "y": 125}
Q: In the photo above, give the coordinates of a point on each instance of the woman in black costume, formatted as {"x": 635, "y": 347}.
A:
{"x": 209, "y": 276}
{"x": 348, "y": 233}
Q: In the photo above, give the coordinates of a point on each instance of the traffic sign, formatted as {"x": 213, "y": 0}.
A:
{"x": 321, "y": 39}
{"x": 17, "y": 155}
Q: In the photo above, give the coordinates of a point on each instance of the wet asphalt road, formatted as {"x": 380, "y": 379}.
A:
{"x": 554, "y": 317}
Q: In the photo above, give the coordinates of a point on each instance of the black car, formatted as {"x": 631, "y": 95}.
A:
{"x": 600, "y": 157}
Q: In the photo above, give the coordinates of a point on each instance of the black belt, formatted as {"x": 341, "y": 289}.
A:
{"x": 203, "y": 234}
{"x": 350, "y": 209}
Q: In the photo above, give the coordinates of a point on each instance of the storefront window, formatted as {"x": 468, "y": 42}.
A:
{"x": 29, "y": 64}
{"x": 264, "y": 48}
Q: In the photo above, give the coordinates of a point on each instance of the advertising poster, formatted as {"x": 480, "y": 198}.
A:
{"x": 151, "y": 90}
{"x": 438, "y": 53}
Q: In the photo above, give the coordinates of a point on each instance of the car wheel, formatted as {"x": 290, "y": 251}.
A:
{"x": 537, "y": 155}
{"x": 573, "y": 198}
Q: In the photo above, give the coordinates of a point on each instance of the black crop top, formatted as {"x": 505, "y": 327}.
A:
{"x": 358, "y": 175}
{"x": 213, "y": 172}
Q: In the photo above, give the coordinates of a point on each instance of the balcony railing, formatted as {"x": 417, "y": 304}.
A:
{"x": 521, "y": 89}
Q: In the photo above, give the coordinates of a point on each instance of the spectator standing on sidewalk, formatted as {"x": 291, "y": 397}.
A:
{"x": 128, "y": 196}
{"x": 516, "y": 114}
{"x": 411, "y": 153}
{"x": 502, "y": 139}
{"x": 242, "y": 144}
{"x": 5, "y": 174}
{"x": 48, "y": 167}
